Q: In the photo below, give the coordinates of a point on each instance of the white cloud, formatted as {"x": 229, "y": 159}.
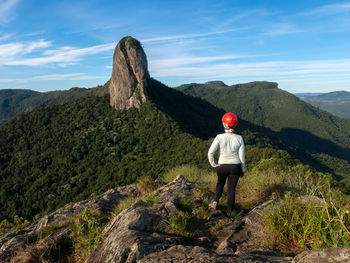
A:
{"x": 282, "y": 29}
{"x": 13, "y": 54}
{"x": 69, "y": 76}
{"x": 6, "y": 7}
{"x": 187, "y": 36}
{"x": 51, "y": 77}
{"x": 270, "y": 69}
{"x": 11, "y": 50}
{"x": 7, "y": 80}
{"x": 33, "y": 46}
{"x": 331, "y": 9}
{"x": 4, "y": 37}
{"x": 175, "y": 62}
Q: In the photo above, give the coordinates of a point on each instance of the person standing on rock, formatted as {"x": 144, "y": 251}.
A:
{"x": 231, "y": 160}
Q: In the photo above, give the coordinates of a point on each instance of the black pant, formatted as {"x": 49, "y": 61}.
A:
{"x": 232, "y": 172}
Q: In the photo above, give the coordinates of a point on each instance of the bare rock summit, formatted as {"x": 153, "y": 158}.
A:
{"x": 130, "y": 77}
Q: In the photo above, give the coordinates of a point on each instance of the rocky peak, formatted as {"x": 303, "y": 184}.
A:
{"x": 130, "y": 77}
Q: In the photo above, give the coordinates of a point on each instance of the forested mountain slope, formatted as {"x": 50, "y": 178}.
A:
{"x": 57, "y": 154}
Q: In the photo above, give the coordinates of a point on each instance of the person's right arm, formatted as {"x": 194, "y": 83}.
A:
{"x": 214, "y": 146}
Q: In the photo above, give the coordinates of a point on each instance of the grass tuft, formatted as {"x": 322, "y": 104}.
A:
{"x": 124, "y": 204}
{"x": 182, "y": 224}
{"x": 308, "y": 226}
{"x": 86, "y": 232}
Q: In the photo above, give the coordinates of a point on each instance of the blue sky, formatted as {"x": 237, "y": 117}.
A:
{"x": 53, "y": 45}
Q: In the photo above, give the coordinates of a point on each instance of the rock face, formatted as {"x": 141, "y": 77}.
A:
{"x": 130, "y": 77}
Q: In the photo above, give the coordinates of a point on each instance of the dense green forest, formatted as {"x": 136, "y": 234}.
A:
{"x": 315, "y": 135}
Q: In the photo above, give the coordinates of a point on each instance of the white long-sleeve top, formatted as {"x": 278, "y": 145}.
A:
{"x": 231, "y": 149}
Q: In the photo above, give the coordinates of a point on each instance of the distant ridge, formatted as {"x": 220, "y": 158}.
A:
{"x": 15, "y": 101}
{"x": 336, "y": 102}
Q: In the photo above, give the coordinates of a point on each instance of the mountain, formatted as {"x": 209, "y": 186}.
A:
{"x": 13, "y": 102}
{"x": 310, "y": 131}
{"x": 337, "y": 102}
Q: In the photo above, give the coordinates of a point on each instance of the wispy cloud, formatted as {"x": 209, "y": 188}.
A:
{"x": 8, "y": 80}
{"x": 261, "y": 70}
{"x": 51, "y": 77}
{"x": 188, "y": 36}
{"x": 8, "y": 51}
{"x": 14, "y": 54}
{"x": 4, "y": 37}
{"x": 6, "y": 7}
{"x": 331, "y": 9}
{"x": 282, "y": 29}
{"x": 69, "y": 76}
{"x": 191, "y": 60}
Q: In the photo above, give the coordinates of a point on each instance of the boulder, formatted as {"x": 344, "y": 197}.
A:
{"x": 328, "y": 255}
{"x": 17, "y": 240}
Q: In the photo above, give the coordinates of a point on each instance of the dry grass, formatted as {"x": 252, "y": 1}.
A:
{"x": 146, "y": 185}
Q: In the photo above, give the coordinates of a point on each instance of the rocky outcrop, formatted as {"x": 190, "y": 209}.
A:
{"x": 20, "y": 239}
{"x": 130, "y": 77}
{"x": 143, "y": 234}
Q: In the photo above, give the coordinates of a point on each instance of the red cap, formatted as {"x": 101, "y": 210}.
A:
{"x": 230, "y": 119}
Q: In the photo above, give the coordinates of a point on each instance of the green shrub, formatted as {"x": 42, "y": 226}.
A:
{"x": 185, "y": 204}
{"x": 17, "y": 223}
{"x": 203, "y": 214}
{"x": 305, "y": 181}
{"x": 217, "y": 227}
{"x": 274, "y": 163}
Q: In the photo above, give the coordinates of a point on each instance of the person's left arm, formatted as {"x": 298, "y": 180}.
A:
{"x": 241, "y": 155}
